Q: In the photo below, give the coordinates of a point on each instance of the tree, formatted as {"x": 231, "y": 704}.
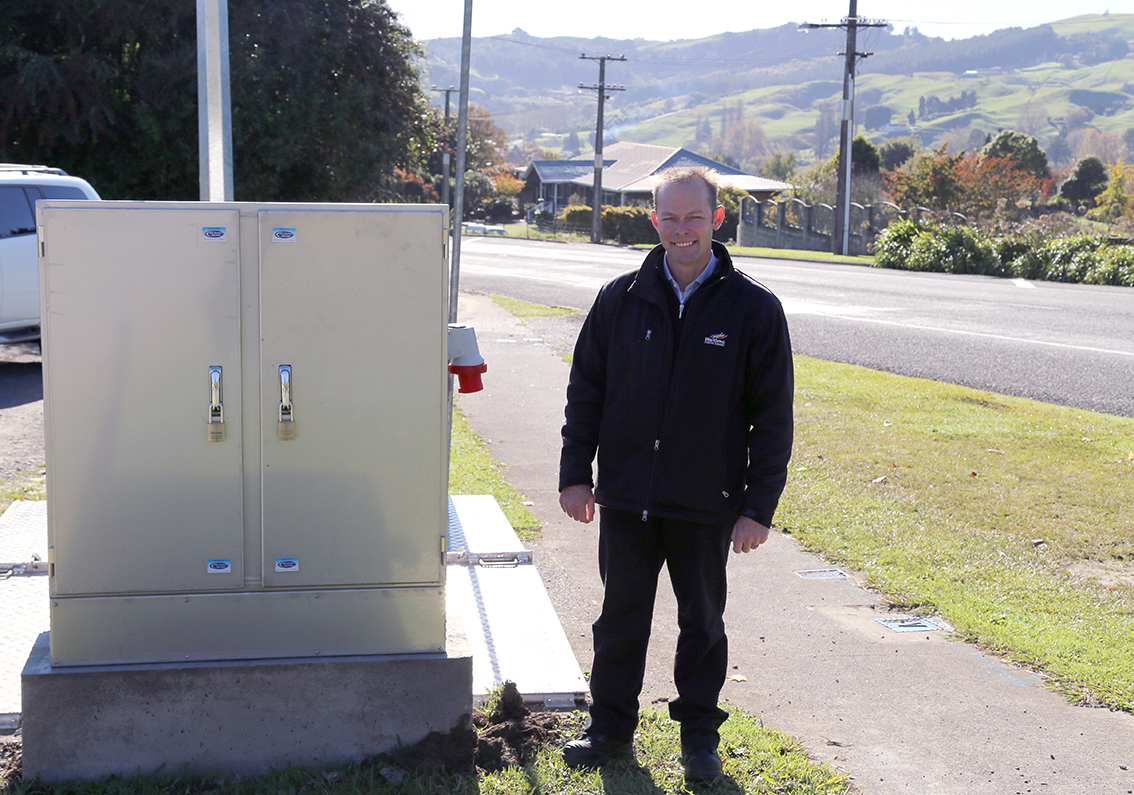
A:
{"x": 931, "y": 179}
{"x": 480, "y": 191}
{"x": 826, "y": 128}
{"x": 1088, "y": 179}
{"x": 1023, "y": 149}
{"x": 864, "y": 157}
{"x": 1117, "y": 199}
{"x": 779, "y": 166}
{"x": 970, "y": 184}
{"x": 744, "y": 144}
{"x": 484, "y": 141}
{"x": 897, "y": 151}
{"x": 992, "y": 186}
{"x": 877, "y": 117}
{"x": 326, "y": 101}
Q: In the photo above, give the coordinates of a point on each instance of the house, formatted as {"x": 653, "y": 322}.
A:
{"x": 626, "y": 171}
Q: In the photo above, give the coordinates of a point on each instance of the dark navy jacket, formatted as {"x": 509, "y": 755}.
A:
{"x": 691, "y": 420}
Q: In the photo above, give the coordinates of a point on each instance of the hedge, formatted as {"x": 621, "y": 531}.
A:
{"x": 908, "y": 245}
{"x": 627, "y": 225}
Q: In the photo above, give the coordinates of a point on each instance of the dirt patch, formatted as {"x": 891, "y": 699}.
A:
{"x": 11, "y": 755}
{"x": 512, "y": 735}
{"x": 1110, "y": 575}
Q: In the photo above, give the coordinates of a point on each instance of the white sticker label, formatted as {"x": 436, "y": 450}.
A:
{"x": 219, "y": 567}
{"x": 287, "y": 564}
{"x": 214, "y": 233}
{"x": 283, "y": 235}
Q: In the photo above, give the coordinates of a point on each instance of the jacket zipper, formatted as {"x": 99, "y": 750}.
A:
{"x": 661, "y": 419}
{"x": 666, "y": 325}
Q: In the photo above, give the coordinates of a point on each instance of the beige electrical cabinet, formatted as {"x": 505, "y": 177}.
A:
{"x": 246, "y": 432}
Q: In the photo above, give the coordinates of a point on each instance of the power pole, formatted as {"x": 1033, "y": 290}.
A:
{"x": 445, "y": 153}
{"x": 840, "y": 237}
{"x": 601, "y": 88}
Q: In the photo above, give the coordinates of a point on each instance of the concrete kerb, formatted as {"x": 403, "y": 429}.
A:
{"x": 899, "y": 712}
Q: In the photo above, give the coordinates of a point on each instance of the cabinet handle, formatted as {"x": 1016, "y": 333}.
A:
{"x": 216, "y": 406}
{"x": 285, "y": 428}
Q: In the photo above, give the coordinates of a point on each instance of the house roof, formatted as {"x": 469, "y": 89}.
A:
{"x": 628, "y": 168}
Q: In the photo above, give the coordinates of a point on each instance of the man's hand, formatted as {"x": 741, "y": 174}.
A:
{"x": 578, "y": 502}
{"x": 747, "y": 534}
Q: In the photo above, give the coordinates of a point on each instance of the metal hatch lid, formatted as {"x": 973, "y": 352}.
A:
{"x": 23, "y": 598}
{"x": 515, "y": 635}
{"x": 511, "y": 625}
{"x": 23, "y": 536}
{"x": 479, "y": 533}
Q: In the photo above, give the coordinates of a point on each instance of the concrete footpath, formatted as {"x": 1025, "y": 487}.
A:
{"x": 900, "y": 712}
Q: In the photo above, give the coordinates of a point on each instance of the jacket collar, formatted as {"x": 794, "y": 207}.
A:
{"x": 649, "y": 280}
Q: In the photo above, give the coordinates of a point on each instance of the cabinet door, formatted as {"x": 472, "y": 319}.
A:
{"x": 352, "y": 309}
{"x": 140, "y": 304}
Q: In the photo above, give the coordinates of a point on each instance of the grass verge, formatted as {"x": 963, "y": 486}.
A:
{"x": 25, "y": 486}
{"x": 472, "y": 471}
{"x": 1012, "y": 519}
{"x": 757, "y": 761}
{"x": 523, "y": 309}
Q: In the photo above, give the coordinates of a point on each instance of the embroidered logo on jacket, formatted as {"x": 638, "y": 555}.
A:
{"x": 716, "y": 339}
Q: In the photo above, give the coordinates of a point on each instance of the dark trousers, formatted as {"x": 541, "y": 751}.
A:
{"x": 631, "y": 553}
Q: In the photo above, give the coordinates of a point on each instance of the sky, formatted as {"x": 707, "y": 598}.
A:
{"x": 626, "y": 19}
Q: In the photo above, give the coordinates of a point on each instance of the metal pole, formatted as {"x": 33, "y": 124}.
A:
{"x": 462, "y": 139}
{"x": 214, "y": 105}
{"x": 458, "y": 210}
{"x": 446, "y": 155}
{"x": 849, "y": 158}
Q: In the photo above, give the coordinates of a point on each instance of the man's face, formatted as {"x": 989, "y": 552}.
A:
{"x": 685, "y": 220}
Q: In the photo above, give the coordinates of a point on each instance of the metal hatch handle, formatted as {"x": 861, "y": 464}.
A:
{"x": 216, "y": 407}
{"x": 285, "y": 428}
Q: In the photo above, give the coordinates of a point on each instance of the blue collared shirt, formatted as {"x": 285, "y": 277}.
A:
{"x": 683, "y": 295}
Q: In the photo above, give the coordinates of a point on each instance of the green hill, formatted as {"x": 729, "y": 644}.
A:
{"x": 1046, "y": 81}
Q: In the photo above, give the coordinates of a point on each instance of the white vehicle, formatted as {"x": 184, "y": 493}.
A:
{"x": 20, "y": 186}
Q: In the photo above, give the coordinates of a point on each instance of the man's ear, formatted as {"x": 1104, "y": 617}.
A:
{"x": 718, "y": 217}
{"x": 654, "y": 218}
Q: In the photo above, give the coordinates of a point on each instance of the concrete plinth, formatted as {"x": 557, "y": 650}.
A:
{"x": 245, "y": 717}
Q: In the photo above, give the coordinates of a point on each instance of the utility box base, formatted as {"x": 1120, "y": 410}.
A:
{"x": 235, "y": 718}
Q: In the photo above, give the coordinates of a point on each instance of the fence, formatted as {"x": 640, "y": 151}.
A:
{"x": 808, "y": 227}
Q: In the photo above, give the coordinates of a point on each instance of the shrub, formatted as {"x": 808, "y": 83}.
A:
{"x": 1069, "y": 259}
{"x": 967, "y": 251}
{"x": 578, "y": 215}
{"x": 893, "y": 246}
{"x": 628, "y": 225}
{"x": 934, "y": 248}
{"x": 927, "y": 246}
{"x": 1114, "y": 266}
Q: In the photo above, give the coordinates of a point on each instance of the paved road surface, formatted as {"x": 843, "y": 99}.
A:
{"x": 1059, "y": 343}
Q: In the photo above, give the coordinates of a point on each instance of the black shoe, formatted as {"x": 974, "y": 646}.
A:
{"x": 594, "y": 750}
{"x": 701, "y": 764}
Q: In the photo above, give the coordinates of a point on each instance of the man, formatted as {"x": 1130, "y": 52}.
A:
{"x": 682, "y": 382}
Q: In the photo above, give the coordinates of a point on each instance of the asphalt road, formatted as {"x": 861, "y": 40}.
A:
{"x": 1067, "y": 344}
